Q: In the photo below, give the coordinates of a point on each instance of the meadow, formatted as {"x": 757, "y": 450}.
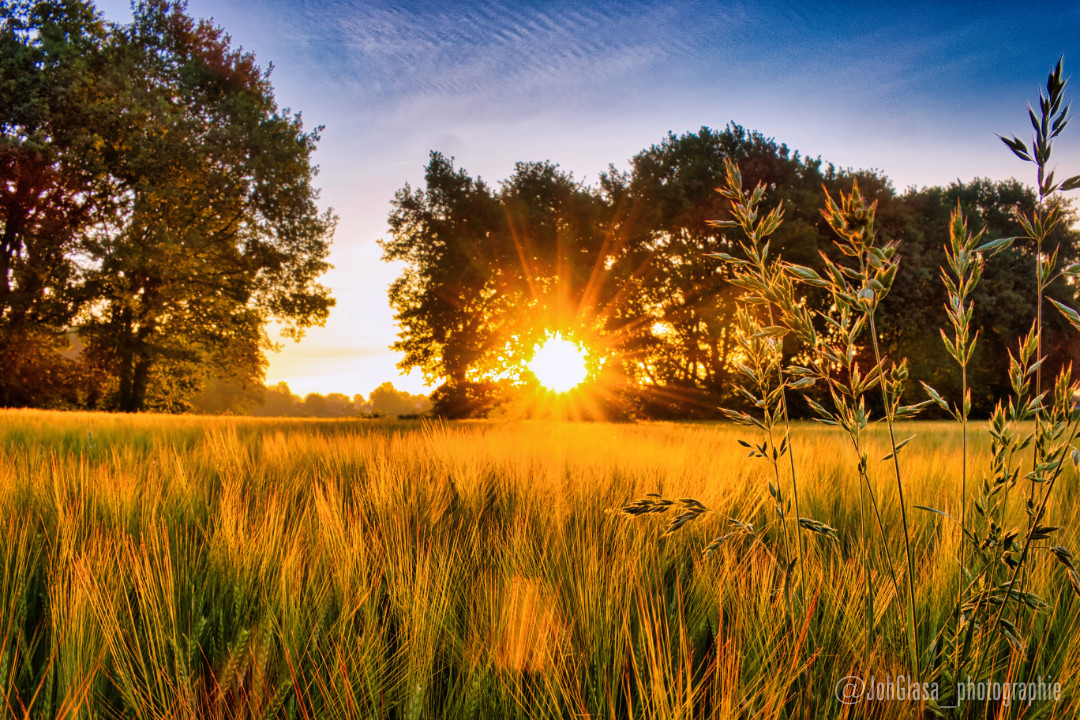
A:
{"x": 196, "y": 567}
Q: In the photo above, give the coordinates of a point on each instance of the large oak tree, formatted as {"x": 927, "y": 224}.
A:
{"x": 197, "y": 218}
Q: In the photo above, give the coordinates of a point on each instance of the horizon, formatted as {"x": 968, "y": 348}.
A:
{"x": 918, "y": 96}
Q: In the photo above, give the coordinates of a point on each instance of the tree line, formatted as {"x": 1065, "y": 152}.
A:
{"x": 219, "y": 397}
{"x": 157, "y": 209}
{"x": 624, "y": 266}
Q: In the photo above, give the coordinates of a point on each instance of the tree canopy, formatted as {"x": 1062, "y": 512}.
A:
{"x": 625, "y": 268}
{"x": 154, "y": 199}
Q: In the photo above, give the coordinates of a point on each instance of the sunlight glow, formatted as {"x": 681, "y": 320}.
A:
{"x": 559, "y": 364}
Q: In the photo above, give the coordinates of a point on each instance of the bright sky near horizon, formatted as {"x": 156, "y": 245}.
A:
{"x": 916, "y": 91}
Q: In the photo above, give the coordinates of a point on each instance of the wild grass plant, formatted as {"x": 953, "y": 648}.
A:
{"x": 994, "y": 628}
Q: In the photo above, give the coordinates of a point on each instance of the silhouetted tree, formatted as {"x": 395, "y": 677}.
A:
{"x": 387, "y": 401}
{"x": 278, "y": 401}
{"x": 446, "y": 235}
{"x": 677, "y": 338}
{"x": 488, "y": 274}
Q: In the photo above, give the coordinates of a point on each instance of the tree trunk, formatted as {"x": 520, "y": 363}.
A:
{"x": 140, "y": 381}
{"x": 125, "y": 361}
{"x": 14, "y": 218}
{"x": 135, "y": 364}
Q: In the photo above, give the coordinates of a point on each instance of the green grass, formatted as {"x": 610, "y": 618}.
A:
{"x": 231, "y": 568}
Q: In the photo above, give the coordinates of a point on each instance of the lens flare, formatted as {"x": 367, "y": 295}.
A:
{"x": 559, "y": 364}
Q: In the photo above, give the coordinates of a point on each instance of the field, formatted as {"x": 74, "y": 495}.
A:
{"x": 189, "y": 567}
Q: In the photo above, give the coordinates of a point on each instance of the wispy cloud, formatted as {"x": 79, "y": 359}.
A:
{"x": 483, "y": 57}
{"x": 503, "y": 46}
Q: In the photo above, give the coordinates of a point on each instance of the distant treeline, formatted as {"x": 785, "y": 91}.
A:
{"x": 220, "y": 397}
{"x": 624, "y": 266}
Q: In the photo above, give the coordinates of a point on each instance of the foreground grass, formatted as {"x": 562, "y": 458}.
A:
{"x": 201, "y": 567}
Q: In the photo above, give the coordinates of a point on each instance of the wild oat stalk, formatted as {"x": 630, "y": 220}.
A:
{"x": 1039, "y": 225}
{"x": 965, "y": 256}
{"x": 834, "y": 355}
{"x": 998, "y": 556}
{"x": 964, "y": 259}
{"x": 765, "y": 383}
{"x": 768, "y": 296}
{"x": 993, "y": 548}
{"x": 835, "y": 361}
{"x": 1047, "y": 124}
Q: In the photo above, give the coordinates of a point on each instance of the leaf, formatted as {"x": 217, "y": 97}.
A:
{"x": 1063, "y": 556}
{"x": 1071, "y": 315}
{"x": 905, "y": 412}
{"x": 995, "y": 246}
{"x": 1035, "y": 123}
{"x": 935, "y": 511}
{"x": 773, "y": 331}
{"x": 1017, "y": 146}
{"x": 935, "y": 396}
{"x": 726, "y": 258}
{"x": 899, "y": 446}
{"x": 1061, "y": 122}
{"x": 807, "y": 275}
{"x": 1043, "y": 532}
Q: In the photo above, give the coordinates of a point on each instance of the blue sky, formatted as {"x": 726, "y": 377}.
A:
{"x": 916, "y": 90}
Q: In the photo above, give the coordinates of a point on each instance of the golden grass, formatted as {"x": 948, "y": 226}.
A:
{"x": 196, "y": 567}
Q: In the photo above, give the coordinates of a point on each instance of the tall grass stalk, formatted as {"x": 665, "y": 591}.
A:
{"x": 856, "y": 294}
{"x": 762, "y": 284}
{"x": 1047, "y": 124}
{"x": 964, "y": 260}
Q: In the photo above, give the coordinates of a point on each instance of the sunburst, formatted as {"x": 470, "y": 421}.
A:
{"x": 559, "y": 364}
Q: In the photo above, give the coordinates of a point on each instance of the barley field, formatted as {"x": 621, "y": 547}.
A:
{"x": 194, "y": 567}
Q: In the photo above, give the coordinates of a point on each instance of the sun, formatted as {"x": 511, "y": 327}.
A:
{"x": 559, "y": 364}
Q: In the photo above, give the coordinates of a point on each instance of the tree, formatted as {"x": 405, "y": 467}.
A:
{"x": 54, "y": 187}
{"x": 388, "y": 401}
{"x": 677, "y": 339}
{"x": 224, "y": 395}
{"x": 490, "y": 273}
{"x": 445, "y": 234}
{"x": 278, "y": 401}
{"x": 220, "y": 231}
{"x": 339, "y": 405}
{"x": 627, "y": 265}
{"x": 154, "y": 196}
{"x": 1004, "y": 300}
